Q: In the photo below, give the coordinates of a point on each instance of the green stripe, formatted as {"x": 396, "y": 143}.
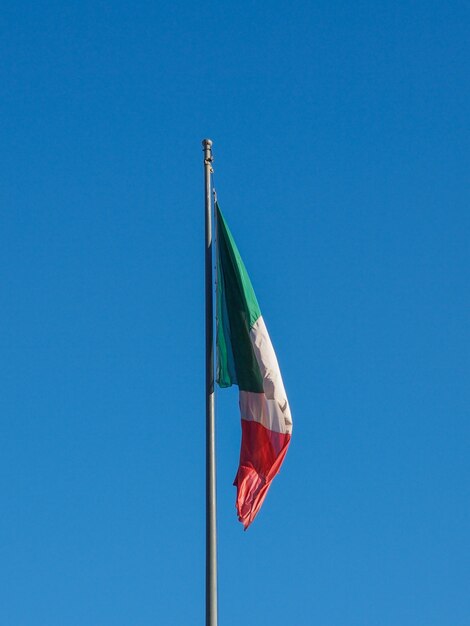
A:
{"x": 237, "y": 311}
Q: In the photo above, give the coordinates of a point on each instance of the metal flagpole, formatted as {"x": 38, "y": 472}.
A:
{"x": 211, "y": 530}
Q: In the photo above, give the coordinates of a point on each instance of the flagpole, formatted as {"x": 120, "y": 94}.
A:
{"x": 211, "y": 530}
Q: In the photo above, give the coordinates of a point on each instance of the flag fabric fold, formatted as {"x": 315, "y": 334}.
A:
{"x": 245, "y": 357}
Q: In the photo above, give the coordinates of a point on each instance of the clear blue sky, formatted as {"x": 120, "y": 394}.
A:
{"x": 341, "y": 142}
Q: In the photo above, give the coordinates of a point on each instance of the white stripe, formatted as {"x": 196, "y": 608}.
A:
{"x": 255, "y": 407}
{"x": 277, "y": 411}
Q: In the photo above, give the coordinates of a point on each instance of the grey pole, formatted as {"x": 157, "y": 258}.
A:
{"x": 211, "y": 529}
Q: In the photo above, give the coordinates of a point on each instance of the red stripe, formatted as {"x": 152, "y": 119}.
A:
{"x": 261, "y": 456}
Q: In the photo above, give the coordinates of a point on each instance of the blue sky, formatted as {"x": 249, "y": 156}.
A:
{"x": 341, "y": 161}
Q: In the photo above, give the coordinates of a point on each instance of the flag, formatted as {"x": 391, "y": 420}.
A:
{"x": 245, "y": 357}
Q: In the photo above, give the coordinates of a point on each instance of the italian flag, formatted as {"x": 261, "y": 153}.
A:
{"x": 245, "y": 357}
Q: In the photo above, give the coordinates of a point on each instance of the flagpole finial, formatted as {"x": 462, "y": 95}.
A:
{"x": 207, "y": 143}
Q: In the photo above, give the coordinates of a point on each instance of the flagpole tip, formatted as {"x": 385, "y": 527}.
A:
{"x": 207, "y": 142}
